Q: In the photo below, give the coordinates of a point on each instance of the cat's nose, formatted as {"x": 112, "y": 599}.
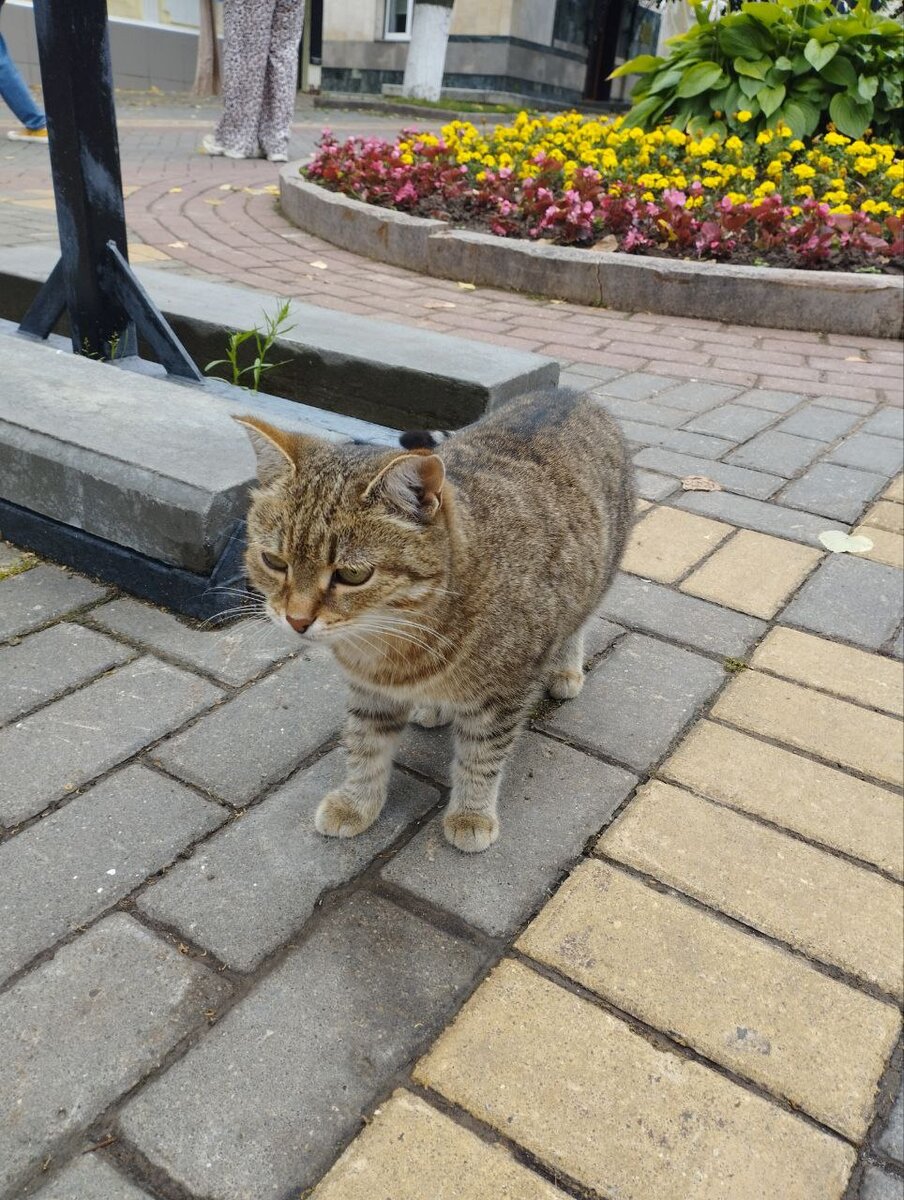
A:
{"x": 300, "y": 624}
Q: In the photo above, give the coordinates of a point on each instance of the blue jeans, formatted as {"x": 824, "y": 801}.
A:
{"x": 14, "y": 90}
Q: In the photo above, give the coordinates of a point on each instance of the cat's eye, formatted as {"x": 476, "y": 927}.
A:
{"x": 353, "y": 576}
{"x": 274, "y": 562}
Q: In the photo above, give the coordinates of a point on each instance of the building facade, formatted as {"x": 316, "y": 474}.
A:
{"x": 535, "y": 51}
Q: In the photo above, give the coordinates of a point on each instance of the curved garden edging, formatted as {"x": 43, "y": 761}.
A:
{"x": 821, "y": 301}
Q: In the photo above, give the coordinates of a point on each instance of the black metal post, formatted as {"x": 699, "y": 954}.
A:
{"x": 93, "y": 280}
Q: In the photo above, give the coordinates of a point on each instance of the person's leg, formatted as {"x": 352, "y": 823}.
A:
{"x": 246, "y": 31}
{"x": 14, "y": 91}
{"x": 281, "y": 81}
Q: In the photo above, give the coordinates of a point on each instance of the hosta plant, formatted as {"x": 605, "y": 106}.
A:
{"x": 803, "y": 64}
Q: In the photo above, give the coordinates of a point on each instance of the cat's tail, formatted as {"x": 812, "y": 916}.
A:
{"x": 423, "y": 439}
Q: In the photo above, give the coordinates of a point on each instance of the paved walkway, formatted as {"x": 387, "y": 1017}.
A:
{"x": 679, "y": 973}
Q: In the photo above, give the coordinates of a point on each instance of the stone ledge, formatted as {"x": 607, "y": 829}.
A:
{"x": 341, "y": 365}
{"x": 822, "y": 301}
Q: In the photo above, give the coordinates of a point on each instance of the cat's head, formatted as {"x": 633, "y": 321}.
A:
{"x": 345, "y": 541}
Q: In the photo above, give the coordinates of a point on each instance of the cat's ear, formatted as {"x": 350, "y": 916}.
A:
{"x": 412, "y": 484}
{"x": 274, "y": 448}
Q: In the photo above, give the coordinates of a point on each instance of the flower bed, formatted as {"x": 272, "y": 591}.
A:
{"x": 828, "y": 202}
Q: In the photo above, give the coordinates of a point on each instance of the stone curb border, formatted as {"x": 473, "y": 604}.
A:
{"x": 820, "y": 301}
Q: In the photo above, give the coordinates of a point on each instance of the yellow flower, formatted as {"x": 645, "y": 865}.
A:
{"x": 803, "y": 171}
{"x": 796, "y": 145}
{"x": 803, "y": 190}
{"x": 766, "y": 188}
{"x": 734, "y": 143}
{"x": 744, "y": 116}
{"x": 736, "y": 197}
{"x": 774, "y": 169}
{"x": 764, "y": 137}
{"x": 875, "y": 206}
{"x": 841, "y": 208}
{"x": 835, "y": 139}
{"x": 407, "y": 158}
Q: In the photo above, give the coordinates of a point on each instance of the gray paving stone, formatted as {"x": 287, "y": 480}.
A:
{"x": 88, "y": 732}
{"x": 427, "y": 751}
{"x": 640, "y": 410}
{"x": 675, "y": 439}
{"x": 755, "y": 514}
{"x": 250, "y": 888}
{"x": 262, "y": 1105}
{"x": 259, "y": 736}
{"x": 85, "y": 1027}
{"x": 834, "y": 491}
{"x": 779, "y": 453}
{"x": 735, "y": 479}
{"x": 842, "y": 404}
{"x": 869, "y": 453}
{"x": 652, "y": 608}
{"x": 849, "y": 598}
{"x": 697, "y": 397}
{"x": 595, "y": 371}
{"x": 88, "y": 1177}
{"x": 891, "y": 1139}
{"x": 823, "y": 424}
{"x": 880, "y": 1185}
{"x": 46, "y": 664}
{"x": 733, "y": 421}
{"x": 898, "y": 647}
{"x": 639, "y": 385}
{"x": 778, "y": 402}
{"x": 553, "y": 799}
{"x": 232, "y": 655}
{"x": 638, "y": 700}
{"x": 40, "y": 595}
{"x": 653, "y": 486}
{"x": 12, "y": 558}
{"x": 888, "y": 422}
{"x": 85, "y": 857}
{"x": 599, "y": 636}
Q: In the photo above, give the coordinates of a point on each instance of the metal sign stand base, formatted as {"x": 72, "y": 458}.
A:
{"x": 108, "y": 307}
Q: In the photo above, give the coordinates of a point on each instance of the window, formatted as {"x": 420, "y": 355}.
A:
{"x": 398, "y": 20}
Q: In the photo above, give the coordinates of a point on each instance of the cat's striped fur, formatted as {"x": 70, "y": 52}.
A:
{"x": 487, "y": 557}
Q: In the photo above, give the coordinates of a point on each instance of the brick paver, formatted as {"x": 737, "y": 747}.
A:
{"x": 632, "y": 1121}
{"x": 742, "y": 1002}
{"x": 265, "y": 990}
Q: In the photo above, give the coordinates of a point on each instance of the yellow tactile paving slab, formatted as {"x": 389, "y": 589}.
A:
{"x": 409, "y": 1151}
{"x": 818, "y": 802}
{"x": 829, "y": 909}
{"x": 869, "y": 679}
{"x": 885, "y": 514}
{"x": 887, "y": 547}
{"x": 738, "y": 999}
{"x": 596, "y": 1101}
{"x": 753, "y": 573}
{"x": 666, "y": 542}
{"x": 841, "y": 733}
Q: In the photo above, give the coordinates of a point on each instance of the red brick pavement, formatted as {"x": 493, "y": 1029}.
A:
{"x": 218, "y": 218}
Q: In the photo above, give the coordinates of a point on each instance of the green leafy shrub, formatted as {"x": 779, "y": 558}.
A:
{"x": 801, "y": 63}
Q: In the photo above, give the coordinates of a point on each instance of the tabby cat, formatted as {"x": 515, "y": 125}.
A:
{"x": 450, "y": 585}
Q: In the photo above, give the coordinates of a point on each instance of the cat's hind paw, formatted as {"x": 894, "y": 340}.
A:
{"x": 565, "y": 685}
{"x": 469, "y": 831}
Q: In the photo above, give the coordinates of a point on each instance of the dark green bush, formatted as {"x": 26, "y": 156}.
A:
{"x": 802, "y": 63}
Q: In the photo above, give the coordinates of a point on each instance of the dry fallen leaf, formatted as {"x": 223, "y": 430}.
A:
{"x": 319, "y": 264}
{"x": 438, "y": 304}
{"x": 700, "y": 483}
{"x": 840, "y": 542}
{"x": 271, "y": 189}
{"x": 609, "y": 242}
{"x": 213, "y": 202}
{"x": 175, "y": 190}
{"x": 467, "y": 287}
{"x": 854, "y": 358}
{"x": 177, "y": 245}
{"x": 225, "y": 187}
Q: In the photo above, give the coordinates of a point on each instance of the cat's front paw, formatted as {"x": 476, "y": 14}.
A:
{"x": 431, "y": 716}
{"x": 469, "y": 831}
{"x": 339, "y": 816}
{"x": 565, "y": 685}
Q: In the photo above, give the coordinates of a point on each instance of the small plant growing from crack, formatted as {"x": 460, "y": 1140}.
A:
{"x": 275, "y": 325}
